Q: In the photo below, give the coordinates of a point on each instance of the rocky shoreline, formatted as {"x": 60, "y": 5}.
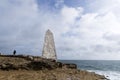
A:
{"x": 23, "y": 67}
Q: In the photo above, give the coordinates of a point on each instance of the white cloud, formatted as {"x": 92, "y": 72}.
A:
{"x": 90, "y": 29}
{"x": 70, "y": 14}
{"x": 17, "y": 18}
{"x": 78, "y": 35}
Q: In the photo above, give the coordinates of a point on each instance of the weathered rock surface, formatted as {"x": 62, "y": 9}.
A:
{"x": 71, "y": 66}
{"x": 31, "y": 63}
{"x": 37, "y": 68}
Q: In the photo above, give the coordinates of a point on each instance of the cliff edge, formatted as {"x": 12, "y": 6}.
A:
{"x": 23, "y": 67}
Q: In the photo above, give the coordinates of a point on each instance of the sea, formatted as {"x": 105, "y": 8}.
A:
{"x": 108, "y": 68}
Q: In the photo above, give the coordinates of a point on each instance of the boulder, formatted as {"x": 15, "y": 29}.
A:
{"x": 59, "y": 64}
{"x": 70, "y": 66}
{"x": 8, "y": 66}
{"x": 40, "y": 65}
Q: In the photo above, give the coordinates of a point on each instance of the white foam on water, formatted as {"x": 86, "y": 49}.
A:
{"x": 112, "y": 75}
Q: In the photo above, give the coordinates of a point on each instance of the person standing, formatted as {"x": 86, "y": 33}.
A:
{"x": 14, "y": 52}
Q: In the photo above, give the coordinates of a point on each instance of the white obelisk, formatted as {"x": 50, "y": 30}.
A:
{"x": 49, "y": 50}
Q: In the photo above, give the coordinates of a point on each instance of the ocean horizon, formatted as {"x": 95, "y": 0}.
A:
{"x": 109, "y": 68}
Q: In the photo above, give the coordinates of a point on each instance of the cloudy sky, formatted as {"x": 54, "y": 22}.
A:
{"x": 83, "y": 29}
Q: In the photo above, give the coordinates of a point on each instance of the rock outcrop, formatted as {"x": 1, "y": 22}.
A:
{"x": 71, "y": 66}
{"x": 31, "y": 63}
{"x": 20, "y": 67}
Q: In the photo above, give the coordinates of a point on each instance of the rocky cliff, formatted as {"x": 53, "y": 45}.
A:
{"x": 22, "y": 67}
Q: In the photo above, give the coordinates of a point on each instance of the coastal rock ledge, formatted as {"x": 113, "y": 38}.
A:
{"x": 21, "y": 67}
